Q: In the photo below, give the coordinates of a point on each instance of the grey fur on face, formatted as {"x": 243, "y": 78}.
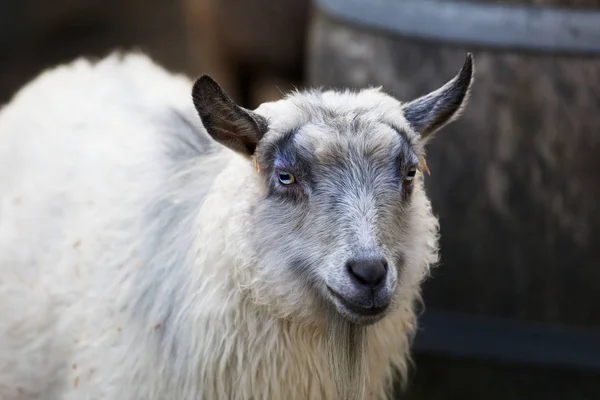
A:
{"x": 338, "y": 171}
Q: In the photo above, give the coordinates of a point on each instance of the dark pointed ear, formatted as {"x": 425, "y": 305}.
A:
{"x": 431, "y": 112}
{"x": 226, "y": 122}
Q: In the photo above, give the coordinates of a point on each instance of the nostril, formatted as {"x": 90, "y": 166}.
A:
{"x": 368, "y": 272}
{"x": 385, "y": 264}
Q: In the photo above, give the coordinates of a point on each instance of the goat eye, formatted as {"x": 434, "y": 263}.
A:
{"x": 411, "y": 174}
{"x": 286, "y": 178}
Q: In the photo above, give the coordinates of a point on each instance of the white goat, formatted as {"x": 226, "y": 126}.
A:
{"x": 141, "y": 259}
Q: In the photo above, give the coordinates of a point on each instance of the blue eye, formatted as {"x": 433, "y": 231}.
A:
{"x": 410, "y": 175}
{"x": 286, "y": 178}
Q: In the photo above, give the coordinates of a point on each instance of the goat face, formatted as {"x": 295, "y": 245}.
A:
{"x": 343, "y": 219}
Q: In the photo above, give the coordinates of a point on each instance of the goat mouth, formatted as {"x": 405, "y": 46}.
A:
{"x": 358, "y": 310}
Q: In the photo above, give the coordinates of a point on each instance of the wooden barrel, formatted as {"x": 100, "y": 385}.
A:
{"x": 515, "y": 182}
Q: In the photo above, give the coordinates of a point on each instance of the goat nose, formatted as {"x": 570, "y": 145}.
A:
{"x": 368, "y": 272}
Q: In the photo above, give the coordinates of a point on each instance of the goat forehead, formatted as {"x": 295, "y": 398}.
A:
{"x": 300, "y": 108}
{"x": 338, "y": 129}
{"x": 349, "y": 142}
{"x": 338, "y": 137}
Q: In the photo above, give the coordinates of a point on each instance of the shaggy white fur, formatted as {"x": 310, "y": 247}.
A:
{"x": 125, "y": 269}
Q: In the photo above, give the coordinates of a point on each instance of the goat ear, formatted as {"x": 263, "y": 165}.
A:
{"x": 226, "y": 122}
{"x": 431, "y": 112}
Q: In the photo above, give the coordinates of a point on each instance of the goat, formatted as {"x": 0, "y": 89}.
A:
{"x": 158, "y": 241}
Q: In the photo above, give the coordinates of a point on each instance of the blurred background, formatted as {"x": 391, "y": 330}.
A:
{"x": 513, "y": 311}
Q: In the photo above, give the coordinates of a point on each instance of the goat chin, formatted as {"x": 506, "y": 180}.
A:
{"x": 126, "y": 270}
